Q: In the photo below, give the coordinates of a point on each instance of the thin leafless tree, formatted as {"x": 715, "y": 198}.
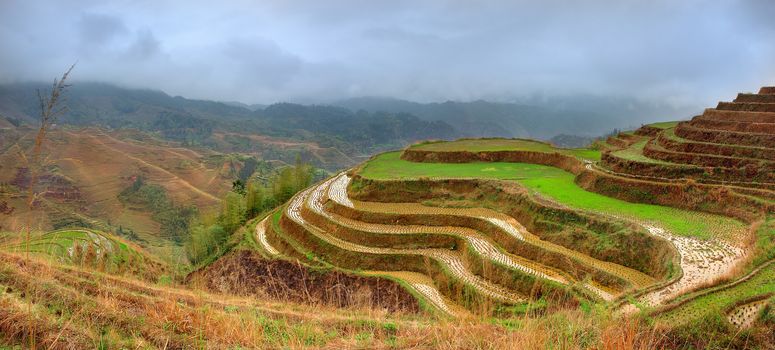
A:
{"x": 51, "y": 106}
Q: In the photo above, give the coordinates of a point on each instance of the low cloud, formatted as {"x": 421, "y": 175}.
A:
{"x": 261, "y": 61}
{"x": 690, "y": 52}
{"x": 144, "y": 46}
{"x": 99, "y": 29}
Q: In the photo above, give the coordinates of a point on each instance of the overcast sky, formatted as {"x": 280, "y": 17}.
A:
{"x": 682, "y": 52}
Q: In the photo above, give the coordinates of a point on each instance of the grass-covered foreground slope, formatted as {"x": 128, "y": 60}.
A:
{"x": 54, "y": 306}
{"x": 558, "y": 185}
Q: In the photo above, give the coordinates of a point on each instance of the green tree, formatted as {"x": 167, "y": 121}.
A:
{"x": 255, "y": 199}
{"x": 238, "y": 187}
{"x": 285, "y": 185}
{"x": 232, "y": 212}
{"x": 205, "y": 241}
{"x": 302, "y": 174}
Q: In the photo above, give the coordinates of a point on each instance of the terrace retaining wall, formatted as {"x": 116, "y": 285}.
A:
{"x": 689, "y": 146}
{"x": 726, "y": 137}
{"x": 748, "y": 107}
{"x": 763, "y": 168}
{"x": 558, "y": 160}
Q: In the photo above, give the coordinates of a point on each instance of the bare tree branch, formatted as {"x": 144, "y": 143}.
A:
{"x": 49, "y": 109}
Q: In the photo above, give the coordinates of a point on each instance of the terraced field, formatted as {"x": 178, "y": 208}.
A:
{"x": 559, "y": 186}
{"x": 704, "y": 257}
{"x": 480, "y": 242}
{"x": 740, "y": 300}
{"x": 458, "y": 240}
{"x": 664, "y": 125}
{"x": 733, "y": 143}
{"x": 269, "y": 230}
{"x": 708, "y": 244}
{"x": 491, "y": 145}
{"x": 89, "y": 248}
{"x": 451, "y": 261}
{"x": 712, "y": 239}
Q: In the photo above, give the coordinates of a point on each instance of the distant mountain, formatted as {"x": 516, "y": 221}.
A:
{"x": 356, "y": 127}
{"x": 253, "y": 107}
{"x": 109, "y": 105}
{"x": 539, "y": 117}
{"x": 571, "y": 141}
{"x": 363, "y": 129}
{"x": 232, "y": 127}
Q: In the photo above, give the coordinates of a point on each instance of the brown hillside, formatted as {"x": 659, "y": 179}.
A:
{"x": 767, "y": 90}
{"x": 245, "y": 272}
{"x": 88, "y": 168}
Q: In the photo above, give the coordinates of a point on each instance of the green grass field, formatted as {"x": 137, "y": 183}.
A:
{"x": 664, "y": 125}
{"x": 483, "y": 145}
{"x": 635, "y": 153}
{"x": 558, "y": 185}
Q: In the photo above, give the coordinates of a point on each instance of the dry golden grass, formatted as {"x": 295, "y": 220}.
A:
{"x": 61, "y": 307}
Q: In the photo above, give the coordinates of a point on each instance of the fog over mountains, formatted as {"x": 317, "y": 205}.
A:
{"x": 537, "y": 117}
{"x": 687, "y": 53}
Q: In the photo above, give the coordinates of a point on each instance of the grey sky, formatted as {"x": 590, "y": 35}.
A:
{"x": 682, "y": 52}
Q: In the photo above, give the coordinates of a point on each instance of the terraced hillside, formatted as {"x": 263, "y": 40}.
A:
{"x": 732, "y": 144}
{"x": 620, "y": 244}
{"x": 466, "y": 258}
{"x": 494, "y": 226}
{"x": 87, "y": 170}
{"x": 88, "y": 248}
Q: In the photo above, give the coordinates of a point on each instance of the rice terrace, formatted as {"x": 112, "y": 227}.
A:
{"x": 387, "y": 175}
{"x": 643, "y": 223}
{"x": 584, "y": 215}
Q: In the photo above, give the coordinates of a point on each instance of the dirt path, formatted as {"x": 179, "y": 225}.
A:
{"x": 261, "y": 238}
{"x": 167, "y": 149}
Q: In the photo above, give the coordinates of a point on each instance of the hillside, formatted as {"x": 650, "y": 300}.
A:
{"x": 512, "y": 228}
{"x": 64, "y": 307}
{"x": 91, "y": 249}
{"x": 623, "y": 245}
{"x": 331, "y": 136}
{"x": 316, "y": 132}
{"x": 88, "y": 169}
{"x": 733, "y": 144}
